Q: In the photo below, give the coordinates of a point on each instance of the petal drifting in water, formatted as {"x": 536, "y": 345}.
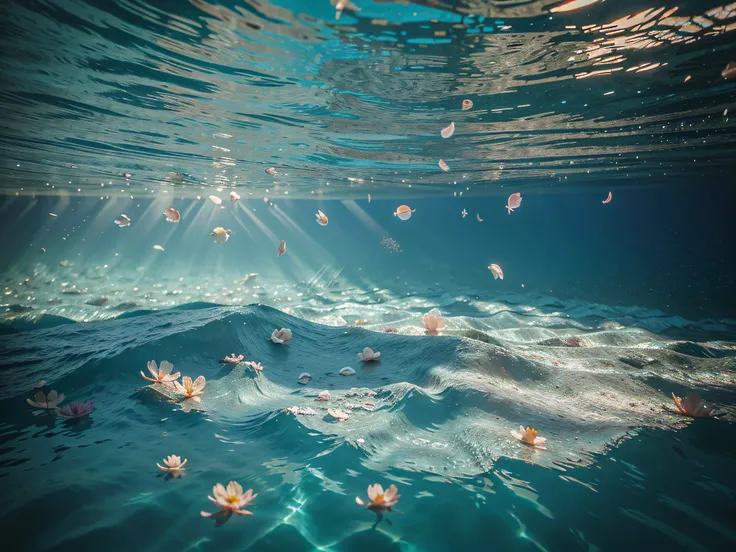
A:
{"x": 282, "y": 248}
{"x": 477, "y": 215}
{"x": 234, "y": 197}
{"x": 321, "y": 218}
{"x": 497, "y": 271}
{"x": 404, "y": 212}
{"x": 448, "y": 131}
{"x": 369, "y": 198}
{"x": 514, "y": 202}
{"x": 123, "y": 221}
{"x": 467, "y": 104}
{"x": 608, "y": 199}
{"x": 216, "y": 200}
{"x": 443, "y": 166}
{"x": 271, "y": 171}
{"x": 53, "y": 215}
{"x": 158, "y": 248}
{"x": 172, "y": 215}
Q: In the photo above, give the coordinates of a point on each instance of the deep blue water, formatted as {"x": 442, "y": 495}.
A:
{"x": 605, "y": 310}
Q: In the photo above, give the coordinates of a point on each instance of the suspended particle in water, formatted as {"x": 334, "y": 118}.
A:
{"x": 391, "y": 244}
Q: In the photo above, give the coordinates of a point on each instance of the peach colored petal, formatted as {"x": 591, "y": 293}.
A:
{"x": 443, "y": 166}
{"x": 448, "y": 131}
{"x": 199, "y": 384}
{"x": 608, "y": 199}
{"x": 467, "y": 104}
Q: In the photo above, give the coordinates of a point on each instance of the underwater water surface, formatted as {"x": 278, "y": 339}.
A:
{"x": 525, "y": 207}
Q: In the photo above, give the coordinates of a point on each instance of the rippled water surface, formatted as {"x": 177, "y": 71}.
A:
{"x": 255, "y": 119}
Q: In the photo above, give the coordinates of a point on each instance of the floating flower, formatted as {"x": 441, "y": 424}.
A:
{"x": 404, "y": 212}
{"x": 496, "y": 271}
{"x": 161, "y": 374}
{"x": 347, "y": 371}
{"x": 368, "y": 355}
{"x": 693, "y": 406}
{"x": 282, "y": 336}
{"x": 443, "y": 166}
{"x": 172, "y": 463}
{"x": 220, "y": 235}
{"x": 189, "y": 388}
{"x": 433, "y": 322}
{"x": 172, "y": 215}
{"x": 234, "y": 359}
{"x": 514, "y": 202}
{"x": 50, "y": 401}
{"x": 232, "y": 499}
{"x": 321, "y": 218}
{"x": 216, "y": 200}
{"x": 234, "y": 197}
{"x": 282, "y": 248}
{"x": 304, "y": 378}
{"x": 324, "y": 396}
{"x": 464, "y": 213}
{"x": 257, "y": 366}
{"x": 338, "y": 414}
{"x": 608, "y": 199}
{"x": 448, "y": 131}
{"x": 529, "y": 436}
{"x": 380, "y": 500}
{"x": 467, "y": 104}
{"x": 123, "y": 221}
{"x": 76, "y": 410}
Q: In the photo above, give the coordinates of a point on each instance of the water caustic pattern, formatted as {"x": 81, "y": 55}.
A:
{"x": 215, "y": 94}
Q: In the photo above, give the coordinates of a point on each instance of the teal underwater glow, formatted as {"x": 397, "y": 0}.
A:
{"x": 259, "y": 196}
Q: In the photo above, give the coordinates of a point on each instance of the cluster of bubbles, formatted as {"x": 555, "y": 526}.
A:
{"x": 391, "y": 244}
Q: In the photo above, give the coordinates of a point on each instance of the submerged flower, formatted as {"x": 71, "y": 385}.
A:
{"x": 257, "y": 366}
{"x": 529, "y": 436}
{"x": 76, "y": 410}
{"x": 50, "y": 401}
{"x": 368, "y": 355}
{"x": 338, "y": 414}
{"x": 172, "y": 463}
{"x": 380, "y": 500}
{"x": 433, "y": 322}
{"x": 693, "y": 406}
{"x": 231, "y": 499}
{"x": 282, "y": 336}
{"x": 189, "y": 388}
{"x": 322, "y": 219}
{"x": 161, "y": 374}
{"x": 234, "y": 359}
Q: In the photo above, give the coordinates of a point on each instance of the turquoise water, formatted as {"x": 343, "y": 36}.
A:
{"x": 605, "y": 310}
